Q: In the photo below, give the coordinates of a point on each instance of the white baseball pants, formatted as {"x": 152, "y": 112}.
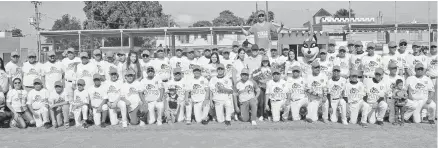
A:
{"x": 376, "y": 111}
{"x": 113, "y": 113}
{"x": 312, "y": 109}
{"x": 201, "y": 112}
{"x": 357, "y": 107}
{"x": 219, "y": 108}
{"x": 414, "y": 108}
{"x": 158, "y": 106}
{"x": 97, "y": 117}
{"x": 78, "y": 112}
{"x": 295, "y": 107}
{"x": 343, "y": 108}
{"x": 276, "y": 109}
{"x": 43, "y": 113}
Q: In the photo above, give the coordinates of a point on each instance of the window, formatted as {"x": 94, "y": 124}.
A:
{"x": 415, "y": 36}
{"x": 221, "y": 37}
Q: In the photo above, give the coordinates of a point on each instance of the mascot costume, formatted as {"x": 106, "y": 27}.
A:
{"x": 310, "y": 51}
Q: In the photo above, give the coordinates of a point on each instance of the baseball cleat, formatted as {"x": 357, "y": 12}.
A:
{"x": 204, "y": 122}
{"x": 142, "y": 123}
{"x": 124, "y": 124}
{"x": 228, "y": 123}
{"x": 47, "y": 125}
{"x": 379, "y": 122}
{"x": 253, "y": 122}
{"x": 261, "y": 118}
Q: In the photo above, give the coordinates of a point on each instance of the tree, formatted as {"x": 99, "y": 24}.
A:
{"x": 253, "y": 18}
{"x": 227, "y": 18}
{"x": 343, "y": 13}
{"x": 17, "y": 32}
{"x": 126, "y": 14}
{"x": 202, "y": 24}
{"x": 66, "y": 23}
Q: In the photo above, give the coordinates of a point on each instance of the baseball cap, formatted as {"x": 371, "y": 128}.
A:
{"x": 323, "y": 50}
{"x": 70, "y": 50}
{"x": 83, "y": 54}
{"x": 96, "y": 51}
{"x": 110, "y": 54}
{"x": 350, "y": 42}
{"x": 245, "y": 71}
{"x": 196, "y": 67}
{"x": 371, "y": 44}
{"x": 419, "y": 65}
{"x": 58, "y": 83}
{"x": 160, "y": 49}
{"x": 315, "y": 63}
{"x": 220, "y": 66}
{"x": 392, "y": 44}
{"x": 179, "y": 49}
{"x": 130, "y": 72}
{"x": 337, "y": 67}
{"x": 416, "y": 44}
{"x": 265, "y": 58}
{"x": 172, "y": 87}
{"x": 354, "y": 72}
{"x": 97, "y": 76}
{"x": 146, "y": 52}
{"x": 273, "y": 49}
{"x": 150, "y": 68}
{"x": 31, "y": 53}
{"x": 332, "y": 41}
{"x": 341, "y": 48}
{"x": 358, "y": 43}
{"x": 190, "y": 50}
{"x": 235, "y": 44}
{"x": 177, "y": 70}
{"x": 296, "y": 68}
{"x": 37, "y": 80}
{"x": 392, "y": 65}
{"x": 15, "y": 54}
{"x": 260, "y": 12}
{"x": 226, "y": 50}
{"x": 206, "y": 49}
{"x": 51, "y": 53}
{"x": 379, "y": 70}
{"x": 254, "y": 47}
{"x": 275, "y": 70}
{"x": 81, "y": 81}
{"x": 113, "y": 70}
{"x": 403, "y": 41}
{"x": 433, "y": 44}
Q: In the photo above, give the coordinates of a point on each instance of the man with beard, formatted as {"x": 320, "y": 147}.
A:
{"x": 335, "y": 95}
{"x": 377, "y": 92}
{"x": 371, "y": 61}
{"x": 145, "y": 62}
{"x": 52, "y": 71}
{"x": 277, "y": 92}
{"x": 316, "y": 90}
{"x": 356, "y": 59}
{"x": 31, "y": 70}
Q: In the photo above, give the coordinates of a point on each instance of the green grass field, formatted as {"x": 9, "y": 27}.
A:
{"x": 265, "y": 134}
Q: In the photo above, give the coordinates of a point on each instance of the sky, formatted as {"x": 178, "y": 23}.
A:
{"x": 291, "y": 13}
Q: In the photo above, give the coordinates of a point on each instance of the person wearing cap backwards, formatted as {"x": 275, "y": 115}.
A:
{"x": 31, "y": 71}
{"x": 112, "y": 65}
{"x": 356, "y": 59}
{"x": 262, "y": 31}
{"x": 350, "y": 46}
{"x": 416, "y": 57}
{"x": 221, "y": 93}
{"x": 371, "y": 61}
{"x": 59, "y": 105}
{"x": 13, "y": 68}
{"x": 421, "y": 92}
{"x": 277, "y": 92}
{"x": 331, "y": 52}
{"x": 326, "y": 65}
{"x": 178, "y": 60}
{"x": 162, "y": 66}
{"x": 390, "y": 57}
{"x": 377, "y": 92}
{"x": 113, "y": 89}
{"x": 247, "y": 92}
{"x": 69, "y": 67}
{"x": 336, "y": 86}
{"x": 354, "y": 91}
{"x": 189, "y": 64}
{"x": 432, "y": 67}
{"x": 316, "y": 90}
{"x": 37, "y": 102}
{"x": 85, "y": 70}
{"x": 342, "y": 60}
{"x": 235, "y": 48}
{"x": 253, "y": 61}
{"x": 98, "y": 60}
{"x": 298, "y": 98}
{"x": 199, "y": 98}
{"x": 154, "y": 96}
{"x": 52, "y": 71}
{"x": 132, "y": 92}
{"x": 99, "y": 100}
{"x": 181, "y": 91}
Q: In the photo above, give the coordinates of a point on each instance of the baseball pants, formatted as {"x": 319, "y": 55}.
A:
{"x": 69, "y": 87}
{"x": 414, "y": 108}
{"x": 43, "y": 113}
{"x": 245, "y": 108}
{"x": 78, "y": 112}
{"x": 276, "y": 109}
{"x": 97, "y": 116}
{"x": 376, "y": 111}
{"x": 23, "y": 118}
{"x": 294, "y": 107}
{"x": 158, "y": 106}
{"x": 355, "y": 108}
{"x": 113, "y": 112}
{"x": 219, "y": 108}
{"x": 184, "y": 111}
{"x": 59, "y": 115}
{"x": 201, "y": 112}
{"x": 391, "y": 107}
{"x": 312, "y": 109}
{"x": 343, "y": 108}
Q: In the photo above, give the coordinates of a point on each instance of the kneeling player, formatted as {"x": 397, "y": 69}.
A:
{"x": 99, "y": 100}
{"x": 115, "y": 102}
{"x": 132, "y": 92}
{"x": 59, "y": 105}
{"x": 298, "y": 97}
{"x": 153, "y": 94}
{"x": 277, "y": 92}
{"x": 37, "y": 102}
{"x": 335, "y": 95}
{"x": 221, "y": 94}
{"x": 79, "y": 104}
{"x": 355, "y": 92}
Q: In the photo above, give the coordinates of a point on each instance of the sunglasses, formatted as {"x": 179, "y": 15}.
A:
{"x": 403, "y": 44}
{"x": 259, "y": 50}
{"x": 432, "y": 46}
{"x": 276, "y": 73}
{"x": 120, "y": 55}
{"x": 244, "y": 74}
{"x": 17, "y": 82}
{"x": 145, "y": 55}
{"x": 415, "y": 46}
{"x": 191, "y": 52}
{"x": 52, "y": 56}
{"x": 30, "y": 57}
{"x": 316, "y": 67}
{"x": 36, "y": 83}
{"x": 392, "y": 68}
{"x": 96, "y": 79}
{"x": 97, "y": 55}
{"x": 130, "y": 75}
{"x": 160, "y": 51}
{"x": 15, "y": 56}
{"x": 297, "y": 71}
{"x": 81, "y": 84}
{"x": 419, "y": 68}
{"x": 322, "y": 53}
{"x": 113, "y": 74}
{"x": 336, "y": 70}
{"x": 178, "y": 50}
{"x": 220, "y": 68}
{"x": 261, "y": 15}
{"x": 178, "y": 73}
{"x": 150, "y": 71}
{"x": 393, "y": 47}
{"x": 377, "y": 74}
{"x": 357, "y": 46}
{"x": 350, "y": 44}
{"x": 370, "y": 48}
{"x": 57, "y": 86}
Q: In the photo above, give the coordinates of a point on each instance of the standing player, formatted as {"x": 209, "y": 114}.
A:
{"x": 298, "y": 96}
{"x": 154, "y": 96}
{"x": 132, "y": 92}
{"x": 69, "y": 67}
{"x": 86, "y": 70}
{"x": 113, "y": 90}
{"x": 189, "y": 64}
{"x": 326, "y": 65}
{"x": 377, "y": 92}
{"x": 178, "y": 59}
{"x": 205, "y": 58}
{"x": 31, "y": 70}
{"x": 335, "y": 95}
{"x": 199, "y": 99}
{"x": 112, "y": 65}
{"x": 415, "y": 58}
{"x": 99, "y": 100}
{"x": 221, "y": 90}
{"x": 371, "y": 61}
{"x": 37, "y": 102}
{"x": 145, "y": 62}
{"x": 350, "y": 46}
{"x": 98, "y": 60}
{"x": 234, "y": 51}
{"x": 162, "y": 66}
{"x": 121, "y": 56}
{"x": 402, "y": 56}
{"x": 181, "y": 91}
{"x": 278, "y": 93}
{"x": 316, "y": 90}
{"x": 432, "y": 68}
{"x": 59, "y": 105}
{"x": 391, "y": 57}
{"x": 228, "y": 62}
{"x": 248, "y": 92}
{"x": 52, "y": 71}
{"x": 253, "y": 62}
{"x": 342, "y": 60}
{"x": 13, "y": 68}
{"x": 355, "y": 92}
{"x": 356, "y": 59}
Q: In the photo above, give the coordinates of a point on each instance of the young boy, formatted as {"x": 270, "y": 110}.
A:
{"x": 80, "y": 103}
{"x": 37, "y": 102}
{"x": 171, "y": 106}
{"x": 99, "y": 100}
{"x": 400, "y": 96}
{"x": 59, "y": 105}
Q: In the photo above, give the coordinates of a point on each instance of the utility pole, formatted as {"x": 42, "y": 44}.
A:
{"x": 267, "y": 12}
{"x": 257, "y": 7}
{"x": 36, "y": 24}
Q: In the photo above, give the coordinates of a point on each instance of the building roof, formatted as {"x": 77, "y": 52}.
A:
{"x": 322, "y": 12}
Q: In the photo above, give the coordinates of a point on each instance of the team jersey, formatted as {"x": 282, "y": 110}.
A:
{"x": 117, "y": 66}
{"x": 97, "y": 95}
{"x": 228, "y": 67}
{"x": 296, "y": 88}
{"x": 38, "y": 99}
{"x": 413, "y": 60}
{"x": 370, "y": 63}
{"x": 209, "y": 71}
{"x": 80, "y": 97}
{"x": 152, "y": 88}
{"x": 13, "y": 70}
{"x": 390, "y": 58}
{"x": 277, "y": 60}
{"x": 100, "y": 65}
{"x": 52, "y": 72}
{"x": 162, "y": 68}
{"x": 69, "y": 67}
{"x": 419, "y": 88}
{"x": 55, "y": 98}
{"x": 277, "y": 90}
{"x": 86, "y": 73}
{"x": 144, "y": 66}
{"x": 4, "y": 81}
{"x": 181, "y": 88}
{"x": 354, "y": 92}
{"x": 246, "y": 89}
{"x": 113, "y": 89}
{"x": 390, "y": 80}
{"x": 402, "y": 59}
{"x": 176, "y": 62}
{"x": 131, "y": 92}
{"x": 233, "y": 55}
{"x": 31, "y": 72}
{"x": 317, "y": 84}
{"x": 18, "y": 99}
{"x": 238, "y": 65}
{"x": 188, "y": 68}
{"x": 336, "y": 88}
{"x": 289, "y": 64}
{"x": 331, "y": 56}
{"x": 306, "y": 67}
{"x": 376, "y": 90}
{"x": 326, "y": 67}
{"x": 214, "y": 84}
{"x": 356, "y": 61}
{"x": 432, "y": 66}
{"x": 197, "y": 88}
{"x": 344, "y": 64}
{"x": 203, "y": 61}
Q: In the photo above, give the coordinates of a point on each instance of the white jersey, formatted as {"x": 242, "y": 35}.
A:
{"x": 14, "y": 70}
{"x": 38, "y": 99}
{"x": 176, "y": 62}
{"x": 419, "y": 88}
{"x": 18, "y": 99}
{"x": 413, "y": 60}
{"x": 100, "y": 65}
{"x": 181, "y": 88}
{"x": 188, "y": 66}
{"x": 402, "y": 59}
{"x": 277, "y": 60}
{"x": 306, "y": 68}
{"x": 238, "y": 66}
{"x": 356, "y": 61}
{"x": 390, "y": 80}
{"x": 86, "y": 73}
{"x": 317, "y": 84}
{"x": 354, "y": 92}
{"x": 370, "y": 63}
{"x": 376, "y": 90}
{"x": 197, "y": 88}
{"x": 331, "y": 56}
{"x": 152, "y": 88}
{"x": 4, "y": 81}
{"x": 31, "y": 72}
{"x": 80, "y": 97}
{"x": 214, "y": 84}
{"x": 55, "y": 98}
{"x": 131, "y": 93}
{"x": 277, "y": 90}
{"x": 326, "y": 67}
{"x": 162, "y": 68}
{"x": 296, "y": 88}
{"x": 69, "y": 68}
{"x": 209, "y": 70}
{"x": 432, "y": 66}
{"x": 97, "y": 95}
{"x": 344, "y": 64}
{"x": 144, "y": 66}
{"x": 113, "y": 89}
{"x": 228, "y": 67}
{"x": 52, "y": 72}
{"x": 247, "y": 90}
{"x": 117, "y": 66}
{"x": 289, "y": 64}
{"x": 336, "y": 88}
{"x": 388, "y": 59}
{"x": 233, "y": 55}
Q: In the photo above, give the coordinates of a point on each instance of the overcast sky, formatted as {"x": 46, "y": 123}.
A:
{"x": 292, "y": 14}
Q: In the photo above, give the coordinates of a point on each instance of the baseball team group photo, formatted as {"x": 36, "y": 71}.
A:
{"x": 262, "y": 73}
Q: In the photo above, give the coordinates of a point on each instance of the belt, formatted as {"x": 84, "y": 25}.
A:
{"x": 354, "y": 102}
{"x": 335, "y": 98}
{"x": 295, "y": 100}
{"x": 275, "y": 100}
{"x": 29, "y": 86}
{"x": 68, "y": 80}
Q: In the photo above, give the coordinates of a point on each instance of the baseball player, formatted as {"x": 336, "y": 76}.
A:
{"x": 121, "y": 57}
{"x": 86, "y": 70}
{"x": 79, "y": 104}
{"x": 98, "y": 61}
{"x": 113, "y": 90}
{"x": 298, "y": 96}
{"x": 248, "y": 92}
{"x": 31, "y": 71}
{"x": 331, "y": 53}
{"x": 221, "y": 94}
{"x": 59, "y": 105}
{"x": 415, "y": 58}
{"x": 377, "y": 91}
{"x": 37, "y": 102}
{"x": 335, "y": 95}
{"x": 162, "y": 66}
{"x": 13, "y": 68}
{"x": 69, "y": 67}
{"x": 402, "y": 56}
{"x": 52, "y": 71}
{"x": 234, "y": 52}
{"x": 391, "y": 57}
{"x": 350, "y": 46}
{"x": 391, "y": 79}
{"x": 228, "y": 62}
{"x": 432, "y": 67}
{"x": 189, "y": 64}
{"x": 133, "y": 93}
{"x": 275, "y": 59}
{"x": 99, "y": 100}
{"x": 177, "y": 60}
{"x": 199, "y": 98}
{"x": 420, "y": 89}
{"x": 154, "y": 96}
{"x": 16, "y": 102}
{"x": 355, "y": 92}
{"x": 342, "y": 60}
{"x": 371, "y": 61}
{"x": 181, "y": 90}
{"x": 356, "y": 59}
{"x": 145, "y": 62}
{"x": 112, "y": 65}
{"x": 316, "y": 90}
{"x": 205, "y": 59}
{"x": 326, "y": 65}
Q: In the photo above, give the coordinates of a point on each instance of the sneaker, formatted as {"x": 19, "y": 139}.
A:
{"x": 188, "y": 122}
{"x": 261, "y": 118}
{"x": 395, "y": 123}
{"x": 345, "y": 123}
{"x": 85, "y": 125}
{"x": 364, "y": 125}
{"x": 204, "y": 122}
{"x": 228, "y": 123}
{"x": 67, "y": 125}
{"x": 379, "y": 122}
{"x": 103, "y": 125}
{"x": 47, "y": 125}
{"x": 142, "y": 123}
{"x": 269, "y": 118}
{"x": 431, "y": 122}
{"x": 236, "y": 118}
{"x": 159, "y": 123}
{"x": 124, "y": 124}
{"x": 13, "y": 123}
{"x": 309, "y": 120}
{"x": 253, "y": 122}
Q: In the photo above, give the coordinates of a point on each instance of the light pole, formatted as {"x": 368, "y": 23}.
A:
{"x": 36, "y": 23}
